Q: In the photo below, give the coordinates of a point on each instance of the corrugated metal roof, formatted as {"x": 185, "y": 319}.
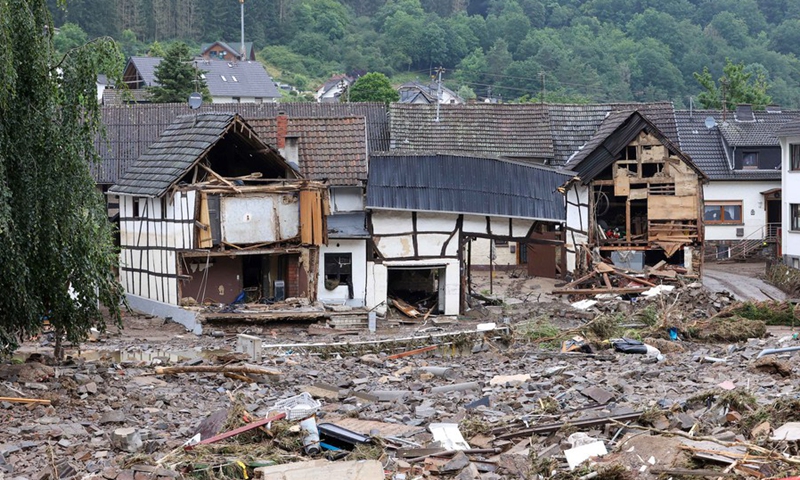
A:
{"x": 573, "y": 125}
{"x": 465, "y": 184}
{"x": 348, "y": 225}
{"x": 130, "y": 129}
{"x": 617, "y": 131}
{"x": 187, "y": 140}
{"x": 333, "y": 149}
{"x": 492, "y": 130}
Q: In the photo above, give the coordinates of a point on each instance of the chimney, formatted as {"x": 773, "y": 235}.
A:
{"x": 774, "y": 108}
{"x": 282, "y": 129}
{"x": 744, "y": 113}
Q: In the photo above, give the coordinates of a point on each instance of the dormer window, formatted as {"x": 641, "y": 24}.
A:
{"x": 223, "y": 78}
{"x": 233, "y": 77}
{"x": 750, "y": 160}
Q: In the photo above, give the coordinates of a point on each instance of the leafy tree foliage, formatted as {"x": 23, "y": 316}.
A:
{"x": 600, "y": 50}
{"x": 736, "y": 85}
{"x": 57, "y": 256}
{"x": 177, "y": 77}
{"x": 69, "y": 36}
{"x": 373, "y": 87}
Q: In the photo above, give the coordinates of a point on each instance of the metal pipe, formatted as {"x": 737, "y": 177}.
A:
{"x": 772, "y": 351}
{"x": 241, "y": 5}
{"x": 456, "y": 387}
{"x": 445, "y": 372}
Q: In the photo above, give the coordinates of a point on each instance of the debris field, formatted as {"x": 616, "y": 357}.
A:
{"x": 679, "y": 384}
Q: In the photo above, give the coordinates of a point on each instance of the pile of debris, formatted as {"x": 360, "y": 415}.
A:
{"x": 606, "y": 278}
{"x": 468, "y": 406}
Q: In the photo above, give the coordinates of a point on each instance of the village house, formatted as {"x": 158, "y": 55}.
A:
{"x": 228, "y": 51}
{"x": 420, "y": 93}
{"x": 789, "y": 136}
{"x": 426, "y": 208}
{"x": 211, "y": 213}
{"x": 333, "y": 88}
{"x": 228, "y": 82}
{"x": 740, "y": 153}
{"x": 635, "y": 200}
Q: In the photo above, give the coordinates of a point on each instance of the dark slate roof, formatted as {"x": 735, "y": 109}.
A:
{"x": 703, "y": 144}
{"x": 790, "y": 129}
{"x": 763, "y": 132}
{"x": 237, "y": 79}
{"x": 707, "y": 146}
{"x": 130, "y": 129}
{"x": 615, "y": 133}
{"x": 146, "y": 66}
{"x": 347, "y": 225}
{"x": 465, "y": 184}
{"x": 181, "y": 145}
{"x": 573, "y": 125}
{"x": 333, "y": 149}
{"x": 491, "y": 130}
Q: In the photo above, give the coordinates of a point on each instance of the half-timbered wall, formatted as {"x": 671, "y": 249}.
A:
{"x": 577, "y": 233}
{"x": 152, "y": 231}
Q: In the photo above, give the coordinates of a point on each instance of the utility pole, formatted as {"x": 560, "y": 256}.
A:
{"x": 724, "y": 83}
{"x": 439, "y": 72}
{"x": 241, "y": 9}
{"x": 544, "y": 91}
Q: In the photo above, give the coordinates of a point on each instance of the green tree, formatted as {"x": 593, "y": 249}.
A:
{"x": 58, "y": 256}
{"x": 177, "y": 77}
{"x": 373, "y": 87}
{"x": 736, "y": 85}
{"x": 69, "y": 36}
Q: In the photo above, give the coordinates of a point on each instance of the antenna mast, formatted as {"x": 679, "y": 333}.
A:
{"x": 241, "y": 8}
{"x": 439, "y": 72}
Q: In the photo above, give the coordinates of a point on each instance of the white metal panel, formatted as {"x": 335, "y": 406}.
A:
{"x": 347, "y": 199}
{"x": 259, "y": 218}
{"x": 520, "y": 227}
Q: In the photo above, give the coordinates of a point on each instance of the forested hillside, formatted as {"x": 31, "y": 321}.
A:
{"x": 595, "y": 50}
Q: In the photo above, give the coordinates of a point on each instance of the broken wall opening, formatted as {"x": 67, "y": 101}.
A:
{"x": 422, "y": 287}
{"x": 262, "y": 278}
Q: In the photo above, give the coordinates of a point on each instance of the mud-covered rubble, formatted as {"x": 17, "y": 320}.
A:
{"x": 118, "y": 420}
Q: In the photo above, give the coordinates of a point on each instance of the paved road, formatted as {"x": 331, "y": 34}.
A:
{"x": 743, "y": 287}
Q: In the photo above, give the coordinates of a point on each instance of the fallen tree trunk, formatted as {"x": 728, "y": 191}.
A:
{"x": 251, "y": 369}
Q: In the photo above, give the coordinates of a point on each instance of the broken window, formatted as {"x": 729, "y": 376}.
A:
{"x": 339, "y": 271}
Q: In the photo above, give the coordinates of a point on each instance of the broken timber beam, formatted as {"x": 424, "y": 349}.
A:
{"x": 38, "y": 401}
{"x": 596, "y": 291}
{"x": 251, "y": 369}
{"x": 554, "y": 427}
{"x": 686, "y": 472}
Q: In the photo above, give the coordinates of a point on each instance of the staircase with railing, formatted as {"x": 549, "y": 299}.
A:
{"x": 751, "y": 245}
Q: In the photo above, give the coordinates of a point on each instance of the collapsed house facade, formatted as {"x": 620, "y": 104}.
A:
{"x": 425, "y": 210}
{"x": 636, "y": 199}
{"x": 211, "y": 213}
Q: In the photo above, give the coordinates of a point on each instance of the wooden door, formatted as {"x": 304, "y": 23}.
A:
{"x": 544, "y": 260}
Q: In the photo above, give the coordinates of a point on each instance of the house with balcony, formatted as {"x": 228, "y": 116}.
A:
{"x": 740, "y": 153}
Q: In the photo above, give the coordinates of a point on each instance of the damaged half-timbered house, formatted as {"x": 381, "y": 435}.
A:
{"x": 636, "y": 200}
{"x": 425, "y": 209}
{"x": 212, "y": 214}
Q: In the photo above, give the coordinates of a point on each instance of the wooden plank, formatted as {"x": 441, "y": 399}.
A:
{"x": 38, "y": 401}
{"x": 306, "y": 227}
{"x": 596, "y": 291}
{"x": 634, "y": 279}
{"x": 686, "y": 472}
{"x": 607, "y": 281}
{"x": 622, "y": 184}
{"x": 317, "y": 218}
{"x": 672, "y": 208}
{"x": 637, "y": 194}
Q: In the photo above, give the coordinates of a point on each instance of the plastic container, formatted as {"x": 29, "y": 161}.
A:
{"x": 298, "y": 407}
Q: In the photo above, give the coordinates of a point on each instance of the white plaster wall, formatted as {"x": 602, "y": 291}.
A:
{"x": 346, "y": 199}
{"x": 358, "y": 251}
{"x": 387, "y": 221}
{"x": 578, "y": 220}
{"x": 377, "y": 278}
{"x": 790, "y": 184}
{"x": 481, "y": 249}
{"x": 159, "y": 261}
{"x": 754, "y": 213}
{"x": 219, "y": 99}
{"x": 436, "y": 222}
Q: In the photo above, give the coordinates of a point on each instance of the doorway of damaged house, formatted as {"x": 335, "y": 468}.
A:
{"x": 420, "y": 287}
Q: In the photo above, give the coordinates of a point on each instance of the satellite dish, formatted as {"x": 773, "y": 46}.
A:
{"x": 710, "y": 123}
{"x": 195, "y": 100}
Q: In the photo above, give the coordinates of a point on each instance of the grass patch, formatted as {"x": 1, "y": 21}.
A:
{"x": 770, "y": 312}
{"x": 540, "y": 331}
{"x": 604, "y": 327}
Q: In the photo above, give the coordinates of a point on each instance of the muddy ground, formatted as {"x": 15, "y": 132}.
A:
{"x": 515, "y": 398}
